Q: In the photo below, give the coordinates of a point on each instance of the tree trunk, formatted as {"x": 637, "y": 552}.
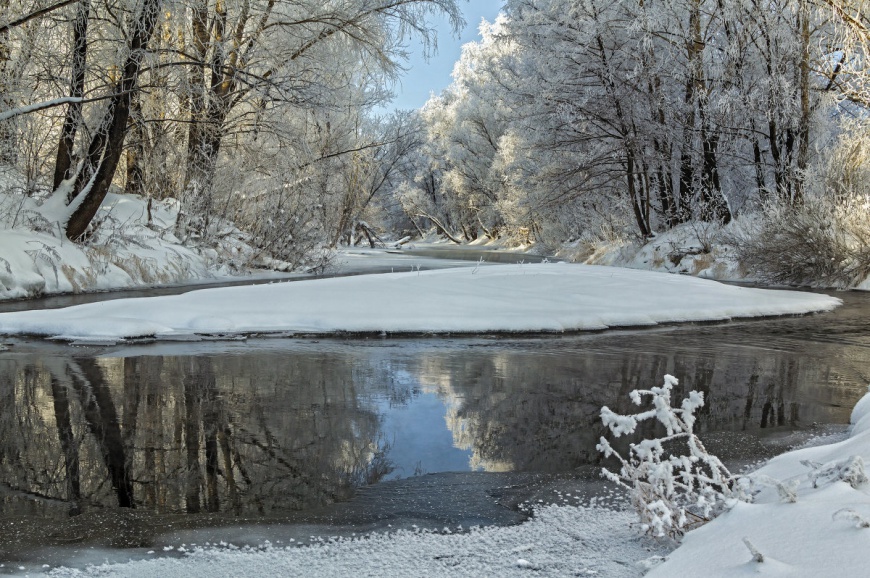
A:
{"x": 210, "y": 105}
{"x": 195, "y": 171}
{"x": 73, "y": 118}
{"x": 107, "y": 145}
{"x": 663, "y": 182}
{"x": 211, "y": 428}
{"x": 715, "y": 205}
{"x": 642, "y": 224}
{"x": 192, "y": 416}
{"x": 102, "y": 419}
{"x": 694, "y": 49}
{"x": 760, "y": 181}
{"x": 60, "y": 397}
{"x": 136, "y": 151}
{"x": 7, "y": 132}
{"x": 803, "y": 153}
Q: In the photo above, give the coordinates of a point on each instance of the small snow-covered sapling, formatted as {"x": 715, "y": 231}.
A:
{"x": 672, "y": 491}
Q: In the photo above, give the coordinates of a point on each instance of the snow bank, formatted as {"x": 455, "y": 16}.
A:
{"x": 820, "y": 534}
{"x": 694, "y": 248}
{"x": 559, "y": 541}
{"x": 127, "y": 251}
{"x": 506, "y": 298}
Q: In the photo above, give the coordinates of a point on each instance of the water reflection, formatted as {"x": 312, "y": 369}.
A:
{"x": 537, "y": 412}
{"x": 261, "y": 428}
{"x": 186, "y": 434}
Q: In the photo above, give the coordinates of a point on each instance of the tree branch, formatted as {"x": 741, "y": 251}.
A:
{"x": 36, "y": 14}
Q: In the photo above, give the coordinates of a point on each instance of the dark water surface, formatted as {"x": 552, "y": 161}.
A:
{"x": 123, "y": 446}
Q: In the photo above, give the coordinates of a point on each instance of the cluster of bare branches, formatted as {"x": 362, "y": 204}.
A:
{"x": 209, "y": 102}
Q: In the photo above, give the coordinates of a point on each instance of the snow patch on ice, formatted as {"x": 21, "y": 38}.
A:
{"x": 558, "y": 541}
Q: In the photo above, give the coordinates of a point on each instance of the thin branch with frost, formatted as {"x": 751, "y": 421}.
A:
{"x": 853, "y": 516}
{"x": 672, "y": 492}
{"x": 35, "y": 14}
{"x": 11, "y": 113}
{"x": 756, "y": 554}
{"x": 849, "y": 470}
{"x": 787, "y": 490}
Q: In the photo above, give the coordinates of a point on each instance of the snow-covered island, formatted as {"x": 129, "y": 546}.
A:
{"x": 500, "y": 298}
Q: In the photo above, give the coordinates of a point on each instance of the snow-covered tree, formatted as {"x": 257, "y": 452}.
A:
{"x": 567, "y": 113}
{"x": 182, "y": 93}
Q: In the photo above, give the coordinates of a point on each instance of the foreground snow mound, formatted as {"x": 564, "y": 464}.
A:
{"x": 823, "y": 532}
{"x": 559, "y": 541}
{"x": 498, "y": 298}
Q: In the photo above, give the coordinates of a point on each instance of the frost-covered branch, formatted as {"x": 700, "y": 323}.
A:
{"x": 35, "y": 14}
{"x": 7, "y": 114}
{"x": 672, "y": 492}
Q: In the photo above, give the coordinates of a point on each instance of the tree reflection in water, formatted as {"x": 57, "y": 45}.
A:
{"x": 533, "y": 412}
{"x": 194, "y": 434}
{"x": 299, "y": 425}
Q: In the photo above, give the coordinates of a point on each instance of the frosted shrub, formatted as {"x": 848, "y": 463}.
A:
{"x": 825, "y": 238}
{"x": 821, "y": 241}
{"x": 849, "y": 470}
{"x": 673, "y": 491}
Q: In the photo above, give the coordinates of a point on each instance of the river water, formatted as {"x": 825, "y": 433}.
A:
{"x": 136, "y": 446}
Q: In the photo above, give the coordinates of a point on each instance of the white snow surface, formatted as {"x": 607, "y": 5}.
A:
{"x": 816, "y": 536}
{"x": 695, "y": 248}
{"x": 498, "y": 298}
{"x": 558, "y": 541}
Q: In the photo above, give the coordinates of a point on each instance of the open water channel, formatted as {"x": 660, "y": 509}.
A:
{"x": 122, "y": 450}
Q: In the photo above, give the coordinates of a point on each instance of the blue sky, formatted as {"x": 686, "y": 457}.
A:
{"x": 424, "y": 77}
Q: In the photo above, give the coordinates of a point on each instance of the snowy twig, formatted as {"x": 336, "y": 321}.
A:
{"x": 787, "y": 490}
{"x": 849, "y": 470}
{"x": 756, "y": 554}
{"x": 671, "y": 492}
{"x": 851, "y": 515}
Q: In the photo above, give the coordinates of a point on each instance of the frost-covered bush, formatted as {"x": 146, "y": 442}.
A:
{"x": 825, "y": 238}
{"x": 850, "y": 470}
{"x": 675, "y": 483}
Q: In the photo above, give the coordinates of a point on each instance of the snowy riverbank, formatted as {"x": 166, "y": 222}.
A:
{"x": 133, "y": 246}
{"x": 824, "y": 532}
{"x": 497, "y": 298}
